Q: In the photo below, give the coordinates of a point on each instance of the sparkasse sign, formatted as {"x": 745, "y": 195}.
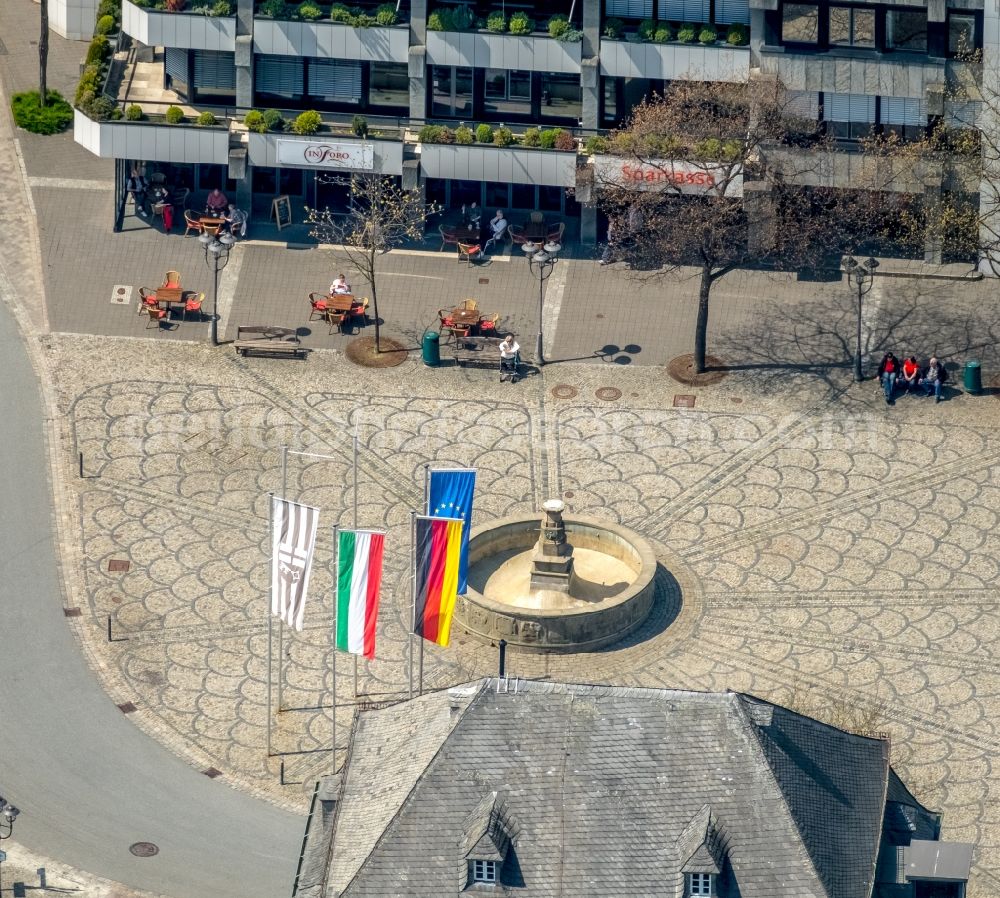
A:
{"x": 326, "y": 154}
{"x": 663, "y": 174}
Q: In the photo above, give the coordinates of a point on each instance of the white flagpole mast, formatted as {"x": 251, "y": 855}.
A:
{"x": 281, "y": 623}
{"x": 357, "y": 424}
{"x": 413, "y": 592}
{"x": 333, "y": 641}
{"x": 270, "y": 615}
{"x": 427, "y": 510}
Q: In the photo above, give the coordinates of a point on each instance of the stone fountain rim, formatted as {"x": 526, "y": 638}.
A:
{"x": 643, "y": 548}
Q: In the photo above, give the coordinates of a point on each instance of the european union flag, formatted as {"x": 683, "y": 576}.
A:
{"x": 450, "y": 496}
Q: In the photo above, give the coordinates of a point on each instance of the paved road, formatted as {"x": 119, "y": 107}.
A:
{"x": 88, "y": 782}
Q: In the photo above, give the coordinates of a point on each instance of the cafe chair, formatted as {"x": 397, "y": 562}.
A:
{"x": 156, "y": 316}
{"x": 470, "y": 305}
{"x": 319, "y": 307}
{"x": 469, "y": 251}
{"x": 444, "y": 316}
{"x": 193, "y": 304}
{"x": 336, "y": 319}
{"x": 171, "y": 279}
{"x": 517, "y": 235}
{"x": 179, "y": 197}
{"x": 157, "y": 178}
{"x": 191, "y": 223}
{"x": 147, "y": 298}
{"x": 360, "y": 310}
{"x": 536, "y": 217}
{"x": 448, "y": 238}
{"x": 556, "y": 236}
{"x": 488, "y": 324}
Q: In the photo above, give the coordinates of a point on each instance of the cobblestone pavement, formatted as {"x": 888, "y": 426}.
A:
{"x": 818, "y": 548}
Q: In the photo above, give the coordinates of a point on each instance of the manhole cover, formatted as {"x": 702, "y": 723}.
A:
{"x": 569, "y": 494}
{"x": 118, "y": 566}
{"x": 121, "y": 295}
{"x": 117, "y": 600}
{"x": 72, "y": 612}
{"x": 484, "y": 280}
{"x": 683, "y": 400}
{"x": 127, "y": 708}
{"x": 143, "y": 849}
{"x": 212, "y": 773}
{"x": 608, "y": 394}
{"x": 737, "y": 400}
{"x": 564, "y": 391}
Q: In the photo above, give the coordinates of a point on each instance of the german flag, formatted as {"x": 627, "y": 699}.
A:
{"x": 437, "y": 548}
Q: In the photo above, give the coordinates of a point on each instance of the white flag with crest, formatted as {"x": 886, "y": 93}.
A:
{"x": 294, "y": 527}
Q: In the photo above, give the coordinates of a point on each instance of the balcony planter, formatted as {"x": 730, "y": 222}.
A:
{"x": 191, "y": 31}
{"x": 330, "y": 40}
{"x": 326, "y": 152}
{"x": 715, "y": 62}
{"x": 513, "y": 164}
{"x": 151, "y": 141}
{"x": 535, "y": 53}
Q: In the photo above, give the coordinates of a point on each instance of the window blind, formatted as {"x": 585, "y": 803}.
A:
{"x": 212, "y": 69}
{"x": 630, "y": 9}
{"x": 729, "y": 11}
{"x": 175, "y": 63}
{"x": 687, "y": 10}
{"x": 903, "y": 111}
{"x": 335, "y": 80}
{"x": 849, "y": 108}
{"x": 803, "y": 104}
{"x": 279, "y": 75}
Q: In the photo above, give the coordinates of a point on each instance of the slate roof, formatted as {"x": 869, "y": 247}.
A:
{"x": 606, "y": 791}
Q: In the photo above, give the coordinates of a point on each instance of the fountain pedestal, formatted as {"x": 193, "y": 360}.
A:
{"x": 552, "y": 558}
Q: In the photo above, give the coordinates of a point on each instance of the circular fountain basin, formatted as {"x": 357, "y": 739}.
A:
{"x": 612, "y": 593}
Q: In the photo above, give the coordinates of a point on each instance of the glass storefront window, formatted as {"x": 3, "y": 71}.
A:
{"x": 961, "y": 33}
{"x": 610, "y": 111}
{"x": 561, "y": 97}
{"x": 550, "y": 198}
{"x": 522, "y": 196}
{"x": 507, "y": 93}
{"x": 390, "y": 85}
{"x": 799, "y": 23}
{"x": 497, "y": 197}
{"x": 465, "y": 193}
{"x": 906, "y": 29}
{"x": 851, "y": 27}
{"x": 451, "y": 92}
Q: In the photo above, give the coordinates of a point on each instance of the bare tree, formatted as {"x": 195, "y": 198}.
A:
{"x": 43, "y": 55}
{"x": 681, "y": 186}
{"x": 382, "y": 216}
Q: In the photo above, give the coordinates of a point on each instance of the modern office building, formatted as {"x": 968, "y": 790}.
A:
{"x": 850, "y": 65}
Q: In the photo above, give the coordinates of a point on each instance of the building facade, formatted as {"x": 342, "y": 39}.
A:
{"x": 851, "y": 66}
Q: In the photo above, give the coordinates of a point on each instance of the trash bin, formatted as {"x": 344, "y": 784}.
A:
{"x": 431, "y": 349}
{"x": 973, "y": 376}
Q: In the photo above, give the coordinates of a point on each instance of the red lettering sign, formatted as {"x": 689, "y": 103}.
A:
{"x": 318, "y": 153}
{"x": 653, "y": 174}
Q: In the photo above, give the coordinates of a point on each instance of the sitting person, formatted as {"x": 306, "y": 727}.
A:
{"x": 510, "y": 357}
{"x": 471, "y": 216}
{"x": 909, "y": 374}
{"x": 934, "y": 376}
{"x": 138, "y": 186}
{"x": 216, "y": 204}
{"x": 340, "y": 284}
{"x": 888, "y": 371}
{"x": 498, "y": 229}
{"x": 237, "y": 221}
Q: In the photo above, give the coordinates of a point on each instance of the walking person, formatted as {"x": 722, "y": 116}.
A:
{"x": 888, "y": 371}
{"x": 510, "y": 357}
{"x": 934, "y": 376}
{"x": 138, "y": 186}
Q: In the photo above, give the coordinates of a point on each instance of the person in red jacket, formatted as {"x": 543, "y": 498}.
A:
{"x": 888, "y": 372}
{"x": 910, "y": 374}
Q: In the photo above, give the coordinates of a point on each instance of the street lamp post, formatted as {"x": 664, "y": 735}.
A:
{"x": 862, "y": 276}
{"x": 541, "y": 261}
{"x": 8, "y": 813}
{"x": 217, "y": 248}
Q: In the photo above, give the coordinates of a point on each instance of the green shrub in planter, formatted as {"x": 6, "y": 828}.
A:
{"x": 708, "y": 35}
{"x": 206, "y": 118}
{"x": 558, "y": 25}
{"x": 105, "y": 25}
{"x": 532, "y": 138}
{"x": 111, "y": 8}
{"x": 687, "y": 33}
{"x": 134, "y": 113}
{"x": 174, "y": 115}
{"x": 663, "y": 34}
{"x": 521, "y": 23}
{"x": 359, "y": 126}
{"x": 89, "y": 82}
{"x": 309, "y": 12}
{"x": 386, "y": 15}
{"x": 503, "y": 137}
{"x": 254, "y": 120}
{"x": 221, "y": 8}
{"x": 731, "y": 151}
{"x": 595, "y": 144}
{"x": 436, "y": 134}
{"x": 308, "y": 122}
{"x": 55, "y": 117}
{"x": 274, "y": 120}
{"x": 276, "y": 9}
{"x": 614, "y": 28}
{"x": 647, "y": 29}
{"x": 464, "y": 135}
{"x": 440, "y": 20}
{"x": 462, "y": 18}
{"x": 363, "y": 20}
{"x": 98, "y": 50}
{"x": 340, "y": 13}
{"x": 738, "y": 35}
{"x": 496, "y": 22}
{"x": 100, "y": 108}
{"x": 484, "y": 134}
{"x": 547, "y": 139}
{"x": 564, "y": 140}
{"x": 710, "y": 148}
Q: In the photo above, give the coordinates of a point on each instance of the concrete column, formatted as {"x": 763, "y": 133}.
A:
{"x": 73, "y": 19}
{"x": 418, "y": 61}
{"x": 588, "y": 225}
{"x": 244, "y": 53}
{"x": 989, "y": 188}
{"x": 590, "y": 81}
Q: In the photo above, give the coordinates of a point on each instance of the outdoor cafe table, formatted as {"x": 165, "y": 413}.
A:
{"x": 535, "y": 230}
{"x": 212, "y": 224}
{"x": 340, "y": 302}
{"x": 465, "y": 318}
{"x": 467, "y": 235}
{"x": 168, "y": 296}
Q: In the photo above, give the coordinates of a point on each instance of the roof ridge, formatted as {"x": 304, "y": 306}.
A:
{"x": 739, "y": 699}
{"x": 340, "y": 799}
{"x": 483, "y": 683}
{"x": 881, "y": 817}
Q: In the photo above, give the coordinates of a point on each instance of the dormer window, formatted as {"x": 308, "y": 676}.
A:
{"x": 484, "y": 871}
{"x": 700, "y": 884}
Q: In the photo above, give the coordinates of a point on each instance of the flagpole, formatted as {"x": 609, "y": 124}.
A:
{"x": 270, "y": 615}
{"x": 413, "y": 592}
{"x": 357, "y": 426}
{"x": 281, "y": 622}
{"x": 333, "y": 642}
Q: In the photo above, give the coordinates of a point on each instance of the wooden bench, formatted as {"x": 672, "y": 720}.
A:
{"x": 268, "y": 339}
{"x": 477, "y": 350}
